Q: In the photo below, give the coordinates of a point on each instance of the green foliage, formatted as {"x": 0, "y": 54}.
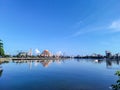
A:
{"x": 117, "y": 85}
{"x": 117, "y": 73}
{"x": 1, "y": 48}
{"x": 1, "y": 52}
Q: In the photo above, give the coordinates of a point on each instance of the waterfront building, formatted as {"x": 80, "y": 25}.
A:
{"x": 46, "y": 53}
{"x": 30, "y": 53}
{"x": 108, "y": 54}
{"x": 22, "y": 54}
{"x": 117, "y": 56}
{"x": 59, "y": 54}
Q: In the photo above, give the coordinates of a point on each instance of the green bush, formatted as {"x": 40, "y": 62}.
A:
{"x": 117, "y": 85}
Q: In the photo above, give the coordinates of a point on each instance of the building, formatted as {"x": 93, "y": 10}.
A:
{"x": 22, "y": 54}
{"x": 46, "y": 53}
{"x": 108, "y": 54}
{"x": 30, "y": 52}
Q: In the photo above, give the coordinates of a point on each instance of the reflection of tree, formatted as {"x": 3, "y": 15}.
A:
{"x": 1, "y": 72}
{"x": 117, "y": 85}
{"x": 3, "y": 61}
{"x": 78, "y": 60}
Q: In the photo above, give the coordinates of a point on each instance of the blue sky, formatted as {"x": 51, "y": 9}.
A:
{"x": 71, "y": 26}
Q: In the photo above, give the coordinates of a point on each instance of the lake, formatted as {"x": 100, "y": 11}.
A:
{"x": 71, "y": 74}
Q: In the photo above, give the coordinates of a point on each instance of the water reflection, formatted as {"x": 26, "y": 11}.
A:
{"x": 45, "y": 63}
{"x": 110, "y": 63}
{"x": 97, "y": 61}
{"x": 72, "y": 73}
{"x": 1, "y": 71}
{"x": 2, "y": 62}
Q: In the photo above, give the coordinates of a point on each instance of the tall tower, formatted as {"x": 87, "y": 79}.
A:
{"x": 30, "y": 52}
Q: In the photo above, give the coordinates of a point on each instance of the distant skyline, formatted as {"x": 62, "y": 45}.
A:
{"x": 69, "y": 26}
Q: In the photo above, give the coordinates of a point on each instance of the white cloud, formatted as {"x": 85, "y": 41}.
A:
{"x": 87, "y": 30}
{"x": 77, "y": 24}
{"x": 112, "y": 27}
{"x": 115, "y": 26}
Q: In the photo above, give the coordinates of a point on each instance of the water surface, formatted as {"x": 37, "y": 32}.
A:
{"x": 71, "y": 74}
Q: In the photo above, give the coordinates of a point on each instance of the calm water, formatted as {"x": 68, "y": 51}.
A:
{"x": 58, "y": 75}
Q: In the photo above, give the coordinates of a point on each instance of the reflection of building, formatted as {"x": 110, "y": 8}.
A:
{"x": 36, "y": 63}
{"x": 46, "y": 53}
{"x": 112, "y": 63}
{"x": 58, "y": 61}
{"x": 108, "y": 63}
{"x": 30, "y": 65}
{"x": 45, "y": 63}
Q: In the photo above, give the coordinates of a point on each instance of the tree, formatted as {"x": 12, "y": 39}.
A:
{"x": 117, "y": 85}
{"x": 1, "y": 48}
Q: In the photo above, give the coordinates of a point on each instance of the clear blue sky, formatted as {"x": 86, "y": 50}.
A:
{"x": 71, "y": 26}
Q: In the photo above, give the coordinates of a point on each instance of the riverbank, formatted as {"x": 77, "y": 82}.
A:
{"x": 5, "y": 59}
